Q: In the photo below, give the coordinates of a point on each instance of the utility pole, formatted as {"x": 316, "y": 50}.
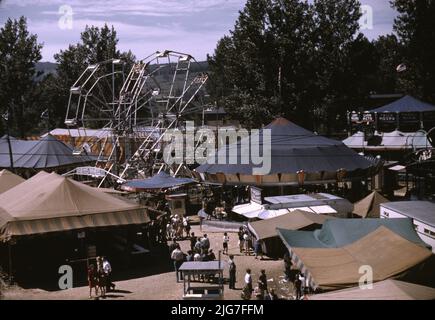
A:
{"x": 6, "y": 118}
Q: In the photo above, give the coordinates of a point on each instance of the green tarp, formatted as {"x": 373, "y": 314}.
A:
{"x": 337, "y": 233}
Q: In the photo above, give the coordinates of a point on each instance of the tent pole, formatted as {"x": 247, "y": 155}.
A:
{"x": 10, "y": 261}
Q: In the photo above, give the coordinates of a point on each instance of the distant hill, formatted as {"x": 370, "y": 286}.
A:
{"x": 50, "y": 67}
{"x": 46, "y": 68}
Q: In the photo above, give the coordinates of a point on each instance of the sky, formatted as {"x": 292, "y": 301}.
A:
{"x": 146, "y": 26}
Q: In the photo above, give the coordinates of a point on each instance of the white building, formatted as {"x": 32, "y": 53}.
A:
{"x": 422, "y": 213}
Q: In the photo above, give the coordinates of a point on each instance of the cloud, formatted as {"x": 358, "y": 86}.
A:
{"x": 159, "y": 8}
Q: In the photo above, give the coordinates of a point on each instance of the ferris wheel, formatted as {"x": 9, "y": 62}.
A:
{"x": 135, "y": 108}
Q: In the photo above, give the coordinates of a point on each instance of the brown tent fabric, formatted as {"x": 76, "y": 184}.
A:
{"x": 333, "y": 268}
{"x": 369, "y": 207}
{"x": 295, "y": 220}
{"x": 50, "y": 202}
{"x": 383, "y": 290}
{"x": 8, "y": 180}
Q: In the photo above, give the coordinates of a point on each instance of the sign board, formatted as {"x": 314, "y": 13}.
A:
{"x": 91, "y": 171}
{"x": 409, "y": 117}
{"x": 256, "y": 195}
{"x": 387, "y": 117}
{"x": 366, "y": 117}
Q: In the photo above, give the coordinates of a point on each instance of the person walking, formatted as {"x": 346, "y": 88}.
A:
{"x": 246, "y": 243}
{"x": 108, "y": 271}
{"x": 232, "y": 269}
{"x": 298, "y": 287}
{"x": 225, "y": 241}
{"x": 192, "y": 241}
{"x": 205, "y": 242}
{"x": 174, "y": 244}
{"x": 247, "y": 290}
{"x": 92, "y": 280}
{"x": 178, "y": 257}
{"x": 257, "y": 249}
{"x": 262, "y": 282}
{"x": 241, "y": 240}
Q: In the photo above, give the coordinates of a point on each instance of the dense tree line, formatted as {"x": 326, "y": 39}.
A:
{"x": 26, "y": 98}
{"x": 307, "y": 61}
{"x": 310, "y": 62}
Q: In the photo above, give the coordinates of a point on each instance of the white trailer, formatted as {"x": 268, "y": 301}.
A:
{"x": 422, "y": 213}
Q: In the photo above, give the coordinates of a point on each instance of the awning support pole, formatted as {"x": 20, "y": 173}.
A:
{"x": 10, "y": 262}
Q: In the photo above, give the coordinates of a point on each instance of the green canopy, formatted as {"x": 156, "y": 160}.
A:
{"x": 336, "y": 233}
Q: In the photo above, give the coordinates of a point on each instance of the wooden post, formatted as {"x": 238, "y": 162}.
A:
{"x": 10, "y": 261}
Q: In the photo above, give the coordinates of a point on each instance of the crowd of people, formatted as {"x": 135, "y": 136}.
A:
{"x": 178, "y": 227}
{"x": 199, "y": 251}
{"x": 249, "y": 244}
{"x": 100, "y": 278}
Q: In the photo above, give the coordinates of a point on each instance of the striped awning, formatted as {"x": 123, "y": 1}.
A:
{"x": 52, "y": 203}
{"x": 39, "y": 226}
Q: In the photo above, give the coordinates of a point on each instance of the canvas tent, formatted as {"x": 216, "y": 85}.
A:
{"x": 406, "y": 104}
{"x": 265, "y": 230}
{"x": 52, "y": 203}
{"x": 41, "y": 154}
{"x": 159, "y": 181}
{"x": 382, "y": 290}
{"x": 297, "y": 156}
{"x": 337, "y": 233}
{"x": 9, "y": 180}
{"x": 369, "y": 207}
{"x": 388, "y": 141}
{"x": 18, "y": 147}
{"x": 336, "y": 268}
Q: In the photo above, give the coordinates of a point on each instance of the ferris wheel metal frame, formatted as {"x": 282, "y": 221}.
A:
{"x": 144, "y": 101}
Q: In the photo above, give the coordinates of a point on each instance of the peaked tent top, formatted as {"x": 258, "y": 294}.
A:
{"x": 162, "y": 180}
{"x": 293, "y": 148}
{"x": 335, "y": 268}
{"x": 383, "y": 290}
{"x": 50, "y": 202}
{"x": 406, "y": 104}
{"x": 8, "y": 180}
{"x": 49, "y": 152}
{"x": 336, "y": 233}
{"x": 369, "y": 207}
{"x": 295, "y": 220}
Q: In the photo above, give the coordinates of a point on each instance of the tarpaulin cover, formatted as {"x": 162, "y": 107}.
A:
{"x": 294, "y": 221}
{"x": 406, "y": 104}
{"x": 50, "y": 202}
{"x": 293, "y": 148}
{"x": 387, "y": 253}
{"x": 8, "y": 180}
{"x": 384, "y": 290}
{"x": 340, "y": 232}
{"x": 369, "y": 207}
{"x": 45, "y": 153}
{"x": 161, "y": 180}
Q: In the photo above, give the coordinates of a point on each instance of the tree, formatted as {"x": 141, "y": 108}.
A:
{"x": 255, "y": 66}
{"x": 415, "y": 26}
{"x": 336, "y": 34}
{"x": 97, "y": 45}
{"x": 19, "y": 52}
{"x": 291, "y": 58}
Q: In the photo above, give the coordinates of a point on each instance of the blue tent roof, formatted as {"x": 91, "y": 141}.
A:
{"x": 293, "y": 148}
{"x": 48, "y": 152}
{"x": 161, "y": 180}
{"x": 406, "y": 104}
{"x": 336, "y": 233}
